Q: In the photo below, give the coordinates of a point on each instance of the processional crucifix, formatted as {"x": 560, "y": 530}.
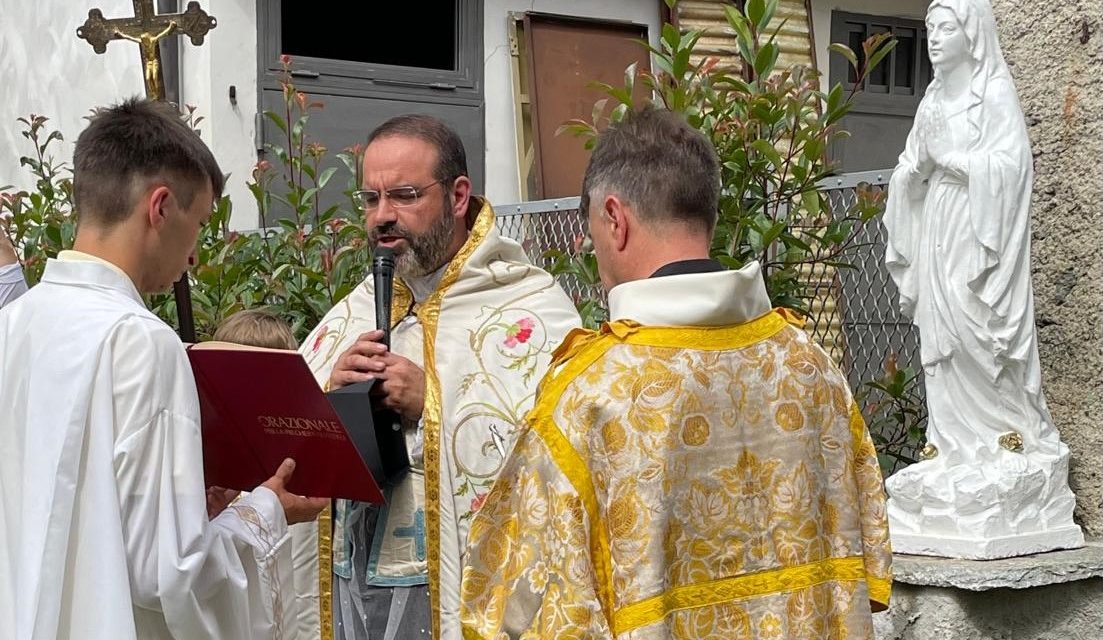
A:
{"x": 147, "y": 28}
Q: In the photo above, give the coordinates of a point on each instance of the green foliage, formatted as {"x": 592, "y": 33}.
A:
{"x": 300, "y": 267}
{"x": 772, "y": 129}
{"x": 308, "y": 260}
{"x": 304, "y": 263}
{"x": 581, "y": 266}
{"x": 39, "y": 223}
{"x": 895, "y": 414}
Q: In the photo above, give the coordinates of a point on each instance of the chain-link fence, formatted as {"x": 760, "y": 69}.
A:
{"x": 547, "y": 226}
{"x": 856, "y": 317}
{"x": 853, "y": 312}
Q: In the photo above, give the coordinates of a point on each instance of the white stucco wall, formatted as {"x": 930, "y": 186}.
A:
{"x": 502, "y": 180}
{"x": 45, "y": 69}
{"x": 821, "y": 20}
{"x": 227, "y": 58}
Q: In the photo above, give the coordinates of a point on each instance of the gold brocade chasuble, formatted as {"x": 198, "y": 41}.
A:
{"x": 490, "y": 328}
{"x": 685, "y": 482}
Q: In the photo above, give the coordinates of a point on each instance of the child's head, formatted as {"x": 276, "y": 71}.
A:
{"x": 256, "y": 328}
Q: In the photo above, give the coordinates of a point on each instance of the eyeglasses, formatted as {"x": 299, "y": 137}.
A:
{"x": 368, "y": 199}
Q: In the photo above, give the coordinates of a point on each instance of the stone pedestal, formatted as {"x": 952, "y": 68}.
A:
{"x": 988, "y": 548}
{"x": 1049, "y": 596}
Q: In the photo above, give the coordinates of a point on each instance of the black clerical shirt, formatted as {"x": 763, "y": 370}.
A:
{"x": 682, "y": 267}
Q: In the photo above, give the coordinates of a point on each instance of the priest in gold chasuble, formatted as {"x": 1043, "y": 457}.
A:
{"x": 697, "y": 468}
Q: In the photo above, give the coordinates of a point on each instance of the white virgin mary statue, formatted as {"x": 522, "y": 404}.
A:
{"x": 994, "y": 481}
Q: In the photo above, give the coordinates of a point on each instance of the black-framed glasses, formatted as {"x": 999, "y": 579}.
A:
{"x": 407, "y": 196}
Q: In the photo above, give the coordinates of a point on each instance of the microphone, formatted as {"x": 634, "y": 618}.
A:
{"x": 382, "y": 270}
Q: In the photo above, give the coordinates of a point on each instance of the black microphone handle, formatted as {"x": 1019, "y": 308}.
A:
{"x": 383, "y": 294}
{"x": 383, "y": 276}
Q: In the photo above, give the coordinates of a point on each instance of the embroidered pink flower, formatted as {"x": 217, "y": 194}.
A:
{"x": 519, "y": 333}
{"x": 318, "y": 341}
{"x": 477, "y": 502}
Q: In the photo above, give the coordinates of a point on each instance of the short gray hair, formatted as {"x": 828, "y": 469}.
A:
{"x": 667, "y": 170}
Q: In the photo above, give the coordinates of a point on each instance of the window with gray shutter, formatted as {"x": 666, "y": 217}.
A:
{"x": 885, "y": 107}
{"x": 370, "y": 61}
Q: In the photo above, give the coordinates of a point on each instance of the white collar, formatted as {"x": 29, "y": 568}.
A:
{"x": 714, "y": 299}
{"x": 72, "y": 255}
{"x": 82, "y": 269}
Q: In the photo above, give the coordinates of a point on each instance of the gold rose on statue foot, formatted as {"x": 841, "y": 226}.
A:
{"x": 1012, "y": 441}
{"x": 928, "y": 452}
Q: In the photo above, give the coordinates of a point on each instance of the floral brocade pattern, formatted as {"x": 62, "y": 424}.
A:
{"x": 508, "y": 348}
{"x": 687, "y": 493}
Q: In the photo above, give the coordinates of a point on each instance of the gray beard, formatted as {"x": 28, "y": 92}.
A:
{"x": 428, "y": 252}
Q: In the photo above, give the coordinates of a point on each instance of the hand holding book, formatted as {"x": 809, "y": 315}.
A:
{"x": 295, "y": 508}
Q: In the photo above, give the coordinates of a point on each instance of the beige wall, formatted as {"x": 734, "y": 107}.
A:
{"x": 1059, "y": 77}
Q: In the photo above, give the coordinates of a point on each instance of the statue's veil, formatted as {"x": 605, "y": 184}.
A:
{"x": 979, "y": 24}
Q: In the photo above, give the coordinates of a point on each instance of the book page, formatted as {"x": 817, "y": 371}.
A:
{"x": 233, "y": 346}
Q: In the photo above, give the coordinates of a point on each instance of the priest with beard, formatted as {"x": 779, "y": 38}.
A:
{"x": 473, "y": 327}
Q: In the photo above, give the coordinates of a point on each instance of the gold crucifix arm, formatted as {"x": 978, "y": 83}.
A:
{"x": 194, "y": 22}
{"x": 147, "y": 29}
{"x": 145, "y": 39}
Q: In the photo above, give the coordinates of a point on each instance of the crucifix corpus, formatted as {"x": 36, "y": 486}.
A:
{"x": 147, "y": 28}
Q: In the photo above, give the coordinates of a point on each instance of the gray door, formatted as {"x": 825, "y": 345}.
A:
{"x": 886, "y": 105}
{"x": 338, "y": 59}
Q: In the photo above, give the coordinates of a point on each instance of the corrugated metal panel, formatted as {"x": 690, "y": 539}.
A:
{"x": 719, "y": 40}
{"x": 795, "y": 37}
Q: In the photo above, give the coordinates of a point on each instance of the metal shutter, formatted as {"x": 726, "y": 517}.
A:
{"x": 718, "y": 39}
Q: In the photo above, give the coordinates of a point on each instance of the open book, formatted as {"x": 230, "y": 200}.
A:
{"x": 260, "y": 406}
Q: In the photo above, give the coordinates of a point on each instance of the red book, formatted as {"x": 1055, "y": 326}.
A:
{"x": 260, "y": 406}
